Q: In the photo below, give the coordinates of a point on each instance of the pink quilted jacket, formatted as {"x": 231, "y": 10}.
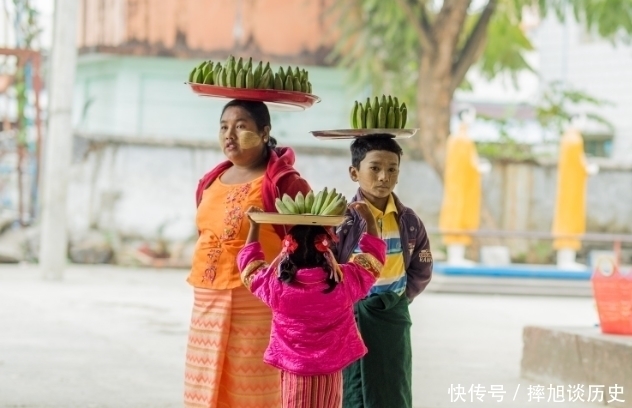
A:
{"x": 313, "y": 332}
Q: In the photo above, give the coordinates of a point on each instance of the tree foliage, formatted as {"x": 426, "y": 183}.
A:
{"x": 404, "y": 47}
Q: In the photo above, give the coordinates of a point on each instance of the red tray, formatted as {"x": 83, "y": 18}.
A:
{"x": 278, "y": 100}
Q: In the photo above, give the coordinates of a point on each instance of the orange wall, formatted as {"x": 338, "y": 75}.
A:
{"x": 274, "y": 29}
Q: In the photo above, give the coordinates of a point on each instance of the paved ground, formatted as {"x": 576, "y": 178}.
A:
{"x": 109, "y": 337}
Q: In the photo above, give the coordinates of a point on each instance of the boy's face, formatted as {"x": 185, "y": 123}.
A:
{"x": 377, "y": 174}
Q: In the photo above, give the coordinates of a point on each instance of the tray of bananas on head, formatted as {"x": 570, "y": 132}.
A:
{"x": 288, "y": 89}
{"x": 378, "y": 117}
{"x": 326, "y": 208}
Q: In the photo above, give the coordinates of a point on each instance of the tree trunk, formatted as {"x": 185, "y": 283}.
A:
{"x": 434, "y": 99}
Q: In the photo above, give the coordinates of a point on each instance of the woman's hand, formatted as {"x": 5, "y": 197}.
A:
{"x": 365, "y": 212}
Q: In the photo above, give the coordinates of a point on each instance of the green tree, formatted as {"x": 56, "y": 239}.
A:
{"x": 423, "y": 49}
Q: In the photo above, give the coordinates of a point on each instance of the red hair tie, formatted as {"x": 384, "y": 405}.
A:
{"x": 322, "y": 243}
{"x": 289, "y": 245}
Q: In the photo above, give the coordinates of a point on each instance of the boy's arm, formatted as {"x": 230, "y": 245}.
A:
{"x": 419, "y": 271}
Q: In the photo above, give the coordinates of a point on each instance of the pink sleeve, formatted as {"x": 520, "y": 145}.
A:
{"x": 361, "y": 273}
{"x": 256, "y": 274}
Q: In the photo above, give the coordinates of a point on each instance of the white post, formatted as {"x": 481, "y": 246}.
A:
{"x": 58, "y": 141}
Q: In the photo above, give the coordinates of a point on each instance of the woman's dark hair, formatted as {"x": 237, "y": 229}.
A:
{"x": 258, "y": 111}
{"x": 306, "y": 255}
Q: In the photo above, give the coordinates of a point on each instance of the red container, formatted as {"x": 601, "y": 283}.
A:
{"x": 275, "y": 99}
{"x": 612, "y": 289}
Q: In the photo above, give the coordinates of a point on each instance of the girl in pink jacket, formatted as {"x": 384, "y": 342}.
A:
{"x": 314, "y": 334}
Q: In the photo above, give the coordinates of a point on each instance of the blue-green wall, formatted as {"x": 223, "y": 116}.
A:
{"x": 146, "y": 97}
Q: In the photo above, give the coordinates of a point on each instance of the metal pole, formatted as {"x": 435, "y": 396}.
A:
{"x": 58, "y": 143}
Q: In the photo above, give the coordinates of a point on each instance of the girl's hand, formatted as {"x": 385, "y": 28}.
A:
{"x": 365, "y": 212}
{"x": 253, "y": 209}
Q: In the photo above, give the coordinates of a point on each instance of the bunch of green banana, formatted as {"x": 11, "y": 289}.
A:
{"x": 323, "y": 203}
{"x": 242, "y": 74}
{"x": 385, "y": 113}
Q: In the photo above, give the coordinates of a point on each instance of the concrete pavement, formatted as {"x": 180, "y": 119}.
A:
{"x": 114, "y": 337}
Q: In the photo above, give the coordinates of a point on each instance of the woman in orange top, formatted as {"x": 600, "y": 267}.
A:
{"x": 230, "y": 328}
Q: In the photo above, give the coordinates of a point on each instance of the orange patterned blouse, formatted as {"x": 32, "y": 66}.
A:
{"x": 223, "y": 230}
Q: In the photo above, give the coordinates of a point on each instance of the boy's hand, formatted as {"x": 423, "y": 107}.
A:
{"x": 361, "y": 208}
{"x": 365, "y": 212}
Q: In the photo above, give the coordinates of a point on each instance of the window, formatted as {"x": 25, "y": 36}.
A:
{"x": 598, "y": 145}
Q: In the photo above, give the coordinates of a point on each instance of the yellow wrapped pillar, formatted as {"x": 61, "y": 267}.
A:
{"x": 461, "y": 206}
{"x": 570, "y": 204}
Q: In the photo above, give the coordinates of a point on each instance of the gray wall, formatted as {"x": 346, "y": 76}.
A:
{"x": 135, "y": 189}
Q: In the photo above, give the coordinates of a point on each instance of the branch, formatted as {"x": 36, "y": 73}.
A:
{"x": 474, "y": 42}
{"x": 422, "y": 27}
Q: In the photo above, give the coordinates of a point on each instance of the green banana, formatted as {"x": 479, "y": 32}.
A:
{"x": 263, "y": 82}
{"x": 257, "y": 73}
{"x": 230, "y": 63}
{"x": 200, "y": 76}
{"x": 390, "y": 103}
{"x": 381, "y": 118}
{"x": 224, "y": 77}
{"x": 332, "y": 196}
{"x": 306, "y": 75}
{"x": 267, "y": 68}
{"x": 209, "y": 78}
{"x": 369, "y": 118}
{"x": 299, "y": 200}
{"x": 375, "y": 110}
{"x": 354, "y": 115}
{"x": 297, "y": 84}
{"x": 240, "y": 80}
{"x": 289, "y": 83}
{"x": 232, "y": 78}
{"x": 208, "y": 67}
{"x": 319, "y": 201}
{"x": 336, "y": 207}
{"x": 332, "y": 199}
{"x": 304, "y": 86}
{"x": 390, "y": 118}
{"x": 240, "y": 64}
{"x": 192, "y": 75}
{"x": 250, "y": 79}
{"x": 201, "y": 65}
{"x": 282, "y": 74}
{"x": 217, "y": 71}
{"x": 249, "y": 64}
{"x": 397, "y": 116}
{"x": 309, "y": 201}
{"x": 361, "y": 118}
{"x": 280, "y": 206}
{"x": 278, "y": 83}
{"x": 309, "y": 87}
{"x": 289, "y": 203}
{"x": 404, "y": 113}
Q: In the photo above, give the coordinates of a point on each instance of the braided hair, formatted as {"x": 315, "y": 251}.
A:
{"x": 306, "y": 255}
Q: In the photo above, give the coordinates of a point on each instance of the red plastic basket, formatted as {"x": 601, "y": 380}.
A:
{"x": 612, "y": 289}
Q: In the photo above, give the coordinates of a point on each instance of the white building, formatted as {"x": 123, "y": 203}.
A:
{"x": 584, "y": 61}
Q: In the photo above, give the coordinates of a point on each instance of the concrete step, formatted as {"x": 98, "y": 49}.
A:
{"x": 580, "y": 356}
{"x": 444, "y": 283}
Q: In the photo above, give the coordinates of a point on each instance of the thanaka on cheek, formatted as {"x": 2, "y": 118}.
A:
{"x": 249, "y": 140}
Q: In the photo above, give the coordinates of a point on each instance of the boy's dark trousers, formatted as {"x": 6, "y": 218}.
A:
{"x": 382, "y": 378}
